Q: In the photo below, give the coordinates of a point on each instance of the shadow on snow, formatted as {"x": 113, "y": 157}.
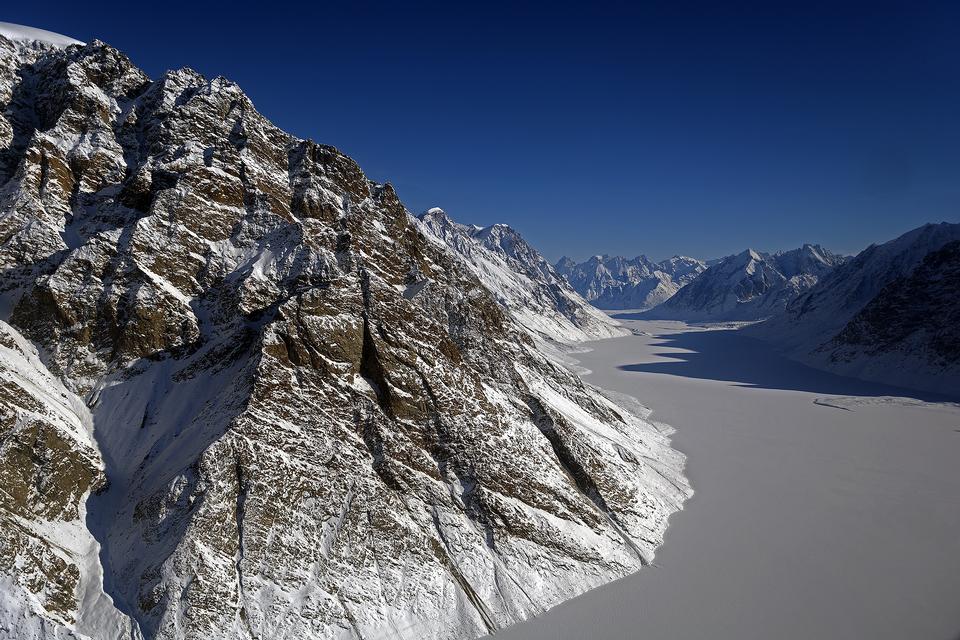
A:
{"x": 728, "y": 356}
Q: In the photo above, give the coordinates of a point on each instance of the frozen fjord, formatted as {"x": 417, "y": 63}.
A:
{"x": 824, "y": 507}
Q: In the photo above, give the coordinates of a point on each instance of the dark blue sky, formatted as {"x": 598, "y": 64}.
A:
{"x": 658, "y": 128}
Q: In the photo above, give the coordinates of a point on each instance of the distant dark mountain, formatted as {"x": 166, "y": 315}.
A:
{"x": 890, "y": 314}
{"x": 748, "y": 286}
{"x": 614, "y": 282}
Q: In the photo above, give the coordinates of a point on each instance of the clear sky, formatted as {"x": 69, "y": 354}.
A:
{"x": 625, "y": 128}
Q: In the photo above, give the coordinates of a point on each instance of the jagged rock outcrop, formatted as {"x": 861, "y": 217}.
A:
{"x": 522, "y": 280}
{"x": 889, "y": 314}
{"x": 296, "y": 415}
{"x": 748, "y": 286}
{"x": 614, "y": 282}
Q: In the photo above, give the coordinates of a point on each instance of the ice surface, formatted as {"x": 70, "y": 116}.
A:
{"x": 809, "y": 521}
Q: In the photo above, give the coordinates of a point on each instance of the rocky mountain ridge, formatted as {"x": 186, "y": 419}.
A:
{"x": 748, "y": 286}
{"x": 243, "y": 395}
{"x": 522, "y": 280}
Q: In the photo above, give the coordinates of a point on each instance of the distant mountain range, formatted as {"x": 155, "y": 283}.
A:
{"x": 890, "y": 314}
{"x": 614, "y": 282}
{"x": 748, "y": 286}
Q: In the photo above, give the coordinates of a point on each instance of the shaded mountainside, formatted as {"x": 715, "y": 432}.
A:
{"x": 889, "y": 314}
{"x": 522, "y": 280}
{"x": 748, "y": 286}
{"x": 614, "y": 282}
{"x": 917, "y": 315}
{"x": 243, "y": 395}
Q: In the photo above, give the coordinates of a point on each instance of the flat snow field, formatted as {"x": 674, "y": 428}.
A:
{"x": 824, "y": 508}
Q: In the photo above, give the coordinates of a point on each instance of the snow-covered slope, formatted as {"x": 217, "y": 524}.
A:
{"x": 887, "y": 314}
{"x": 50, "y": 579}
{"x": 748, "y": 286}
{"x": 522, "y": 280}
{"x": 614, "y": 282}
{"x": 295, "y": 415}
{"x": 22, "y": 33}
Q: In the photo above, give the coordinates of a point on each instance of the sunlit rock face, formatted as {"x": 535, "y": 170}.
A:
{"x": 242, "y": 395}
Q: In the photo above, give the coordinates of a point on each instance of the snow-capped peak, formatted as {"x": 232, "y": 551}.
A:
{"x": 749, "y": 285}
{"x": 522, "y": 280}
{"x": 615, "y": 282}
{"x": 23, "y": 33}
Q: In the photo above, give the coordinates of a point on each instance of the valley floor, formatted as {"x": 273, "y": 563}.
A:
{"x": 824, "y": 507}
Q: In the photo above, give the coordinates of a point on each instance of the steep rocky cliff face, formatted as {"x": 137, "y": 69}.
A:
{"x": 614, "y": 282}
{"x": 294, "y": 414}
{"x": 522, "y": 280}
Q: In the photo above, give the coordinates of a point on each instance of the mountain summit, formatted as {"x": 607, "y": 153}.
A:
{"x": 522, "y": 280}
